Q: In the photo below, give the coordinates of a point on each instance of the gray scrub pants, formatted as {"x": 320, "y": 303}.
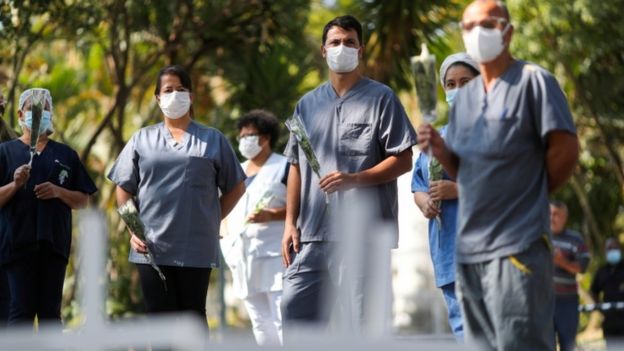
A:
{"x": 311, "y": 290}
{"x": 508, "y": 302}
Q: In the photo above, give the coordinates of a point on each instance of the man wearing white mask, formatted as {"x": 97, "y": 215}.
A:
{"x": 362, "y": 139}
{"x": 511, "y": 140}
{"x": 185, "y": 178}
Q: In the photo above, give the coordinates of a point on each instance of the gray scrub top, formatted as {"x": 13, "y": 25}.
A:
{"x": 500, "y": 138}
{"x": 351, "y": 133}
{"x": 177, "y": 190}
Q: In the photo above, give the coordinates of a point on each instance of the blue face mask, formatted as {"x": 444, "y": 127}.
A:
{"x": 44, "y": 125}
{"x": 450, "y": 96}
{"x": 614, "y": 256}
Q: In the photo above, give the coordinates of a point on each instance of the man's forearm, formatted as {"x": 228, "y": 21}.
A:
{"x": 387, "y": 170}
{"x": 121, "y": 196}
{"x": 569, "y": 266}
{"x": 561, "y": 158}
{"x": 74, "y": 199}
{"x": 450, "y": 162}
{"x": 7, "y": 192}
{"x": 293, "y": 195}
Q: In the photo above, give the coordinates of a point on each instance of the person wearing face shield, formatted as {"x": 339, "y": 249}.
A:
{"x": 256, "y": 224}
{"x": 608, "y": 287}
{"x": 362, "y": 138}
{"x": 510, "y": 142}
{"x": 438, "y": 198}
{"x": 185, "y": 178}
{"x": 36, "y": 203}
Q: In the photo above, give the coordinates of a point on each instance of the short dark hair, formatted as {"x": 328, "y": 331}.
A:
{"x": 347, "y": 22}
{"x": 559, "y": 204}
{"x": 264, "y": 121}
{"x": 174, "y": 70}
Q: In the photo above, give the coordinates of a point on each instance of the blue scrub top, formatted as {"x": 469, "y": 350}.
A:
{"x": 26, "y": 222}
{"x": 441, "y": 241}
{"x": 500, "y": 138}
{"x": 177, "y": 185}
{"x": 348, "y": 133}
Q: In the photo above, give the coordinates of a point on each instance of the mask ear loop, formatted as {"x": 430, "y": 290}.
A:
{"x": 504, "y": 31}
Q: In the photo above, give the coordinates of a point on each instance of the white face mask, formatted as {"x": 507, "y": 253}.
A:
{"x": 175, "y": 104}
{"x": 342, "y": 59}
{"x": 484, "y": 45}
{"x": 249, "y": 147}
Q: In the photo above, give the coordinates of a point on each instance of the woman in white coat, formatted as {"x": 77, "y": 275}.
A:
{"x": 255, "y": 226}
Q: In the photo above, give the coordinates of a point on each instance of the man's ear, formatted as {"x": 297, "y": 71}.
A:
{"x": 509, "y": 34}
{"x": 323, "y": 51}
{"x": 361, "y": 52}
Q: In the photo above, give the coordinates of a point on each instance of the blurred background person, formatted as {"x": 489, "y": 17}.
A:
{"x": 35, "y": 214}
{"x": 608, "y": 286}
{"x": 256, "y": 225}
{"x": 571, "y": 258}
{"x": 438, "y": 198}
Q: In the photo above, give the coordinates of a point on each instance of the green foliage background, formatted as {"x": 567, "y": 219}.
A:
{"x": 100, "y": 58}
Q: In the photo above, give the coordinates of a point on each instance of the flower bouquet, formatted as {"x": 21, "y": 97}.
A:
{"x": 296, "y": 127}
{"x": 435, "y": 173}
{"x": 130, "y": 215}
{"x": 424, "y": 71}
{"x": 262, "y": 203}
{"x": 36, "y": 107}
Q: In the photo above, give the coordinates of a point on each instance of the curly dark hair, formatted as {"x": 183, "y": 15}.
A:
{"x": 264, "y": 121}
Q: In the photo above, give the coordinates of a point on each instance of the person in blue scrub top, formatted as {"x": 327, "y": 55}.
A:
{"x": 185, "y": 178}
{"x": 438, "y": 198}
{"x": 36, "y": 203}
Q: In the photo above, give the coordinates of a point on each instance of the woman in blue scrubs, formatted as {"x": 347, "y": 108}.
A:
{"x": 185, "y": 178}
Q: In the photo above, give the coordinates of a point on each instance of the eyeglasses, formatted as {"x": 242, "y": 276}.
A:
{"x": 238, "y": 138}
{"x": 488, "y": 23}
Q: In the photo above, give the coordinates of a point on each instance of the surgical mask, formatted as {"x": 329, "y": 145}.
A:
{"x": 614, "y": 256}
{"x": 44, "y": 125}
{"x": 342, "y": 59}
{"x": 483, "y": 44}
{"x": 249, "y": 147}
{"x": 175, "y": 104}
{"x": 451, "y": 94}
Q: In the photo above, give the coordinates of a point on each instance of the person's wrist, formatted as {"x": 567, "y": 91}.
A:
{"x": 355, "y": 178}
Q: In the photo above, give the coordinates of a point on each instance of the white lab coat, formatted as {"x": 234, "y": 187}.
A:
{"x": 253, "y": 250}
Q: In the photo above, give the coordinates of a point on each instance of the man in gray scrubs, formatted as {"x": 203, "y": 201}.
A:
{"x": 511, "y": 140}
{"x": 362, "y": 138}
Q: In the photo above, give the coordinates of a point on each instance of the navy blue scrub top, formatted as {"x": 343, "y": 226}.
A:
{"x": 27, "y": 222}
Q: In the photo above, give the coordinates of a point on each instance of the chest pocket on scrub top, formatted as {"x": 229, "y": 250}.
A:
{"x": 199, "y": 172}
{"x": 355, "y": 139}
{"x": 495, "y": 137}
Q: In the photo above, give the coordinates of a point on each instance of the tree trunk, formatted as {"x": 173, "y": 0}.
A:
{"x": 595, "y": 234}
